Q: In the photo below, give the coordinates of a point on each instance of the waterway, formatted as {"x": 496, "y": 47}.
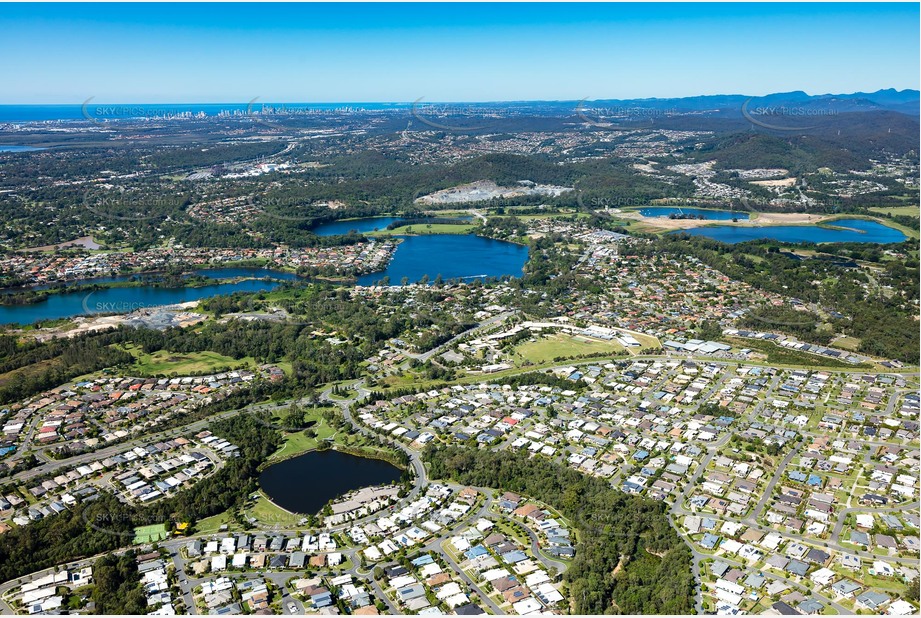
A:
{"x": 363, "y": 225}
{"x": 853, "y": 230}
{"x": 304, "y": 484}
{"x": 453, "y": 256}
{"x": 121, "y": 300}
{"x": 694, "y": 213}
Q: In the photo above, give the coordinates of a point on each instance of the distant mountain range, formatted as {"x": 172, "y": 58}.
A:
{"x": 904, "y": 101}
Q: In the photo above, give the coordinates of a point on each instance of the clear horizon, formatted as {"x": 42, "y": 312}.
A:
{"x": 319, "y": 53}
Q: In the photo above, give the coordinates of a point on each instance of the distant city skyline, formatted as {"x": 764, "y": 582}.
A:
{"x": 316, "y": 53}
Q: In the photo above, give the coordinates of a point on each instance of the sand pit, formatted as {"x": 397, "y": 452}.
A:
{"x": 783, "y": 182}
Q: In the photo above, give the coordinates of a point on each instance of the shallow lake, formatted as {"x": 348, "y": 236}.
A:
{"x": 703, "y": 213}
{"x": 304, "y": 484}
{"x": 857, "y": 230}
{"x": 453, "y": 256}
{"x": 15, "y": 148}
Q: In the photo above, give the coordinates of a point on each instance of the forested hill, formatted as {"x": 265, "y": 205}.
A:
{"x": 655, "y": 575}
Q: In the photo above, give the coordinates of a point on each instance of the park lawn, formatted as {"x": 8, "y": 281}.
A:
{"x": 213, "y": 524}
{"x": 911, "y": 211}
{"x": 506, "y": 528}
{"x": 345, "y": 385}
{"x": 163, "y": 362}
{"x": 554, "y": 346}
{"x": 297, "y": 442}
{"x": 267, "y": 512}
{"x": 426, "y": 228}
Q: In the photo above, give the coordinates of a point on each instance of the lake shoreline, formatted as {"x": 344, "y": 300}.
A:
{"x": 454, "y": 257}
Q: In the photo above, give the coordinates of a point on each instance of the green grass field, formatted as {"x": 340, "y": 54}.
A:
{"x": 297, "y": 442}
{"x": 268, "y": 513}
{"x": 165, "y": 363}
{"x": 426, "y": 228}
{"x": 550, "y": 347}
{"x": 214, "y": 523}
{"x": 911, "y": 211}
{"x": 847, "y": 343}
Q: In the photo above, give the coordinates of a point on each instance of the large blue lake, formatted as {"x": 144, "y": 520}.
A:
{"x": 366, "y": 224}
{"x": 452, "y": 256}
{"x": 856, "y": 230}
{"x": 702, "y": 213}
{"x": 120, "y": 300}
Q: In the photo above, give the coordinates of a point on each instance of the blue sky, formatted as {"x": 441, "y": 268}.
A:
{"x": 66, "y": 53}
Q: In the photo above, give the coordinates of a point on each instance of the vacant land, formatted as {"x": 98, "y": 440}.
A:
{"x": 549, "y": 348}
{"x": 782, "y": 182}
{"x": 779, "y": 355}
{"x": 172, "y": 363}
{"x": 213, "y": 524}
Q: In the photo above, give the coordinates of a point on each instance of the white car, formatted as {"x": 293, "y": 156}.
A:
{"x": 292, "y": 608}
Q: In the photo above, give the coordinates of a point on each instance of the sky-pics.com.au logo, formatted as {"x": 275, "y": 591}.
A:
{"x": 785, "y": 118}
{"x": 610, "y": 202}
{"x": 620, "y": 117}
{"x": 128, "y": 525}
{"x": 819, "y": 206}
{"x": 124, "y": 206}
{"x": 100, "y": 113}
{"x": 98, "y": 307}
{"x": 448, "y": 116}
{"x": 597, "y": 524}
{"x": 269, "y": 115}
{"x": 281, "y": 208}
